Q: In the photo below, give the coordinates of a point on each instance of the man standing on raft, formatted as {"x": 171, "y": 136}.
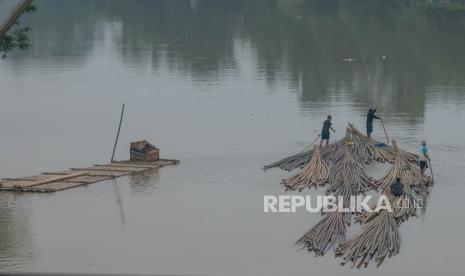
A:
{"x": 424, "y": 157}
{"x": 325, "y": 131}
{"x": 370, "y": 116}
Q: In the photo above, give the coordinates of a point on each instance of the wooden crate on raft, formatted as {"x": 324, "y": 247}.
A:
{"x": 143, "y": 151}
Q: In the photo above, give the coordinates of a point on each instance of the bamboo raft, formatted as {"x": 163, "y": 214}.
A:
{"x": 48, "y": 182}
{"x": 342, "y": 167}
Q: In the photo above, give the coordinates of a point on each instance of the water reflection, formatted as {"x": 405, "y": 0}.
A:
{"x": 16, "y": 243}
{"x": 119, "y": 203}
{"x": 145, "y": 181}
{"x": 301, "y": 42}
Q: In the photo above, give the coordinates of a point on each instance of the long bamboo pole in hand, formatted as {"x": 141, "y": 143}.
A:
{"x": 117, "y": 134}
{"x": 313, "y": 142}
{"x": 370, "y": 88}
{"x": 431, "y": 170}
{"x": 385, "y": 132}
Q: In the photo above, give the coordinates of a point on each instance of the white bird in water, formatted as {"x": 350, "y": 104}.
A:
{"x": 349, "y": 59}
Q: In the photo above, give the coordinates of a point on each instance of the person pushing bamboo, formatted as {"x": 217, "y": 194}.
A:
{"x": 325, "y": 130}
{"x": 424, "y": 158}
{"x": 370, "y": 117}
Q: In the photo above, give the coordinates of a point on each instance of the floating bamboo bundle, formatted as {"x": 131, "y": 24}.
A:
{"x": 360, "y": 149}
{"x": 301, "y": 159}
{"x": 349, "y": 177}
{"x": 291, "y": 162}
{"x": 330, "y": 232}
{"x": 379, "y": 238}
{"x": 343, "y": 166}
{"x": 403, "y": 207}
{"x": 413, "y": 183}
{"x": 366, "y": 147}
{"x": 408, "y": 173}
{"x": 315, "y": 173}
{"x": 366, "y": 150}
{"x": 382, "y": 152}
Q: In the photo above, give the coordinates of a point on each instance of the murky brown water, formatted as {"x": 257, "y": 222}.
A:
{"x": 226, "y": 87}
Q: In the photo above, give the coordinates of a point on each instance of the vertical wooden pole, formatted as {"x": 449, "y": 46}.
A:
{"x": 117, "y": 134}
{"x": 385, "y": 132}
{"x": 431, "y": 170}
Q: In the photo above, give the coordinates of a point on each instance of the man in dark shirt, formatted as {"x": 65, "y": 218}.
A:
{"x": 325, "y": 131}
{"x": 397, "y": 188}
{"x": 370, "y": 116}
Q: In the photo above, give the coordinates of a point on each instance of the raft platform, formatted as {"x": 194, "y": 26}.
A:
{"x": 48, "y": 182}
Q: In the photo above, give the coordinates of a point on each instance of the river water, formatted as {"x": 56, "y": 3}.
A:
{"x": 226, "y": 87}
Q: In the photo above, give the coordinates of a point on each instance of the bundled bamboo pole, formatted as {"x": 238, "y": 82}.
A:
{"x": 343, "y": 166}
{"x": 408, "y": 173}
{"x": 403, "y": 207}
{"x": 291, "y": 162}
{"x": 330, "y": 232}
{"x": 315, "y": 173}
{"x": 384, "y": 153}
{"x": 378, "y": 239}
{"x": 349, "y": 177}
{"x": 301, "y": 159}
{"x": 366, "y": 150}
{"x": 366, "y": 146}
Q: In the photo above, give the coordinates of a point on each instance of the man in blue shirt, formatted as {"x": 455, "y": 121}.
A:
{"x": 370, "y": 116}
{"x": 424, "y": 157}
{"x": 325, "y": 130}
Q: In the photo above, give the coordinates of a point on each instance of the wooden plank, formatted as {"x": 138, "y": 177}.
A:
{"x": 117, "y": 165}
{"x": 54, "y": 179}
{"x": 28, "y": 183}
{"x": 101, "y": 173}
{"x": 159, "y": 162}
{"x": 28, "y": 178}
{"x": 111, "y": 174}
{"x": 55, "y": 173}
{"x": 35, "y": 180}
{"x": 13, "y": 183}
{"x": 18, "y": 179}
{"x": 88, "y": 179}
{"x": 54, "y": 186}
{"x": 104, "y": 168}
